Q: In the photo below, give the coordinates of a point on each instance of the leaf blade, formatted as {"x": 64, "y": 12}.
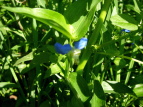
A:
{"x": 78, "y": 86}
{"x": 124, "y": 21}
{"x": 46, "y": 16}
{"x": 80, "y": 18}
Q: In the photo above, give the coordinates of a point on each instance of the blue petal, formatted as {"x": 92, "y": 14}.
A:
{"x": 81, "y": 43}
{"x": 125, "y": 30}
{"x": 62, "y": 49}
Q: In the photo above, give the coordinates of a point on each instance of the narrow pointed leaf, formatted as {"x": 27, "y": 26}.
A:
{"x": 7, "y": 85}
{"x": 27, "y": 57}
{"x": 80, "y": 15}
{"x": 48, "y": 17}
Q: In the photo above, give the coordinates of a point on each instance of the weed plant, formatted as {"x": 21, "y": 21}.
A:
{"x": 71, "y": 53}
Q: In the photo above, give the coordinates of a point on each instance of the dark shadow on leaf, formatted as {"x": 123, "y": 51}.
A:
{"x": 83, "y": 86}
{"x": 98, "y": 90}
{"x": 76, "y": 10}
{"x": 43, "y": 57}
{"x": 120, "y": 88}
{"x": 126, "y": 17}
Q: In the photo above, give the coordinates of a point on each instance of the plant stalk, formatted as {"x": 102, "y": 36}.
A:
{"x": 94, "y": 37}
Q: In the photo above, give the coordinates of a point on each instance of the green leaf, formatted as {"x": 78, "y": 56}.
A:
{"x": 48, "y": 17}
{"x": 136, "y": 9}
{"x": 109, "y": 48}
{"x": 7, "y": 85}
{"x": 78, "y": 86}
{"x": 119, "y": 62}
{"x": 138, "y": 79}
{"x": 80, "y": 15}
{"x": 98, "y": 97}
{"x": 42, "y": 57}
{"x": 116, "y": 87}
{"x": 55, "y": 68}
{"x": 27, "y": 57}
{"x": 124, "y": 21}
{"x": 75, "y": 102}
{"x": 46, "y": 103}
{"x": 138, "y": 90}
{"x": 41, "y": 3}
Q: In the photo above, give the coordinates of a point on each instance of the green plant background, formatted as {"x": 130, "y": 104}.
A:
{"x": 110, "y": 71}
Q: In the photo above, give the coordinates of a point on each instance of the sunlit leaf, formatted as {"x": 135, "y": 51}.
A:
{"x": 55, "y": 68}
{"x": 124, "y": 21}
{"x": 119, "y": 62}
{"x": 116, "y": 87}
{"x": 80, "y": 15}
{"x": 48, "y": 17}
{"x": 7, "y": 85}
{"x": 138, "y": 89}
{"x": 27, "y": 57}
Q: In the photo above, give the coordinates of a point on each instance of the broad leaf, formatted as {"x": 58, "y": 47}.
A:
{"x": 46, "y": 103}
{"x": 98, "y": 98}
{"x": 119, "y": 62}
{"x": 75, "y": 102}
{"x": 48, "y": 17}
{"x": 124, "y": 21}
{"x": 138, "y": 90}
{"x": 79, "y": 86}
{"x": 116, "y": 87}
{"x": 55, "y": 68}
{"x": 80, "y": 15}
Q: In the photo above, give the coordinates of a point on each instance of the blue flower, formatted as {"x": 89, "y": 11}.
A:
{"x": 125, "y": 30}
{"x": 81, "y": 43}
{"x": 64, "y": 49}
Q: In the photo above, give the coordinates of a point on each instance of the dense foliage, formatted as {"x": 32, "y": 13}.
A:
{"x": 71, "y": 53}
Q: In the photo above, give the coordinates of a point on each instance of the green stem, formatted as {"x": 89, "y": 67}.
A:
{"x": 118, "y": 75}
{"x": 113, "y": 41}
{"x": 35, "y": 89}
{"x": 129, "y": 72}
{"x": 19, "y": 86}
{"x": 12, "y": 69}
{"x": 122, "y": 56}
{"x": 111, "y": 72}
{"x": 94, "y": 37}
{"x": 130, "y": 66}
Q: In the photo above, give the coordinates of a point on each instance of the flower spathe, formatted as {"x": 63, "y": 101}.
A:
{"x": 64, "y": 49}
